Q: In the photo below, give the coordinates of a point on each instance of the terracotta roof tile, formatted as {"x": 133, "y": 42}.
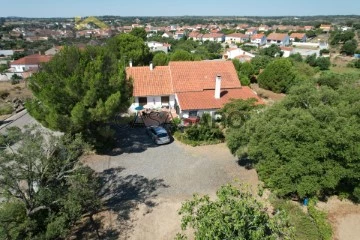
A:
{"x": 237, "y": 35}
{"x": 200, "y": 75}
{"x": 276, "y": 36}
{"x": 150, "y": 82}
{"x": 35, "y": 59}
{"x": 297, "y": 35}
{"x": 257, "y": 36}
{"x": 206, "y": 100}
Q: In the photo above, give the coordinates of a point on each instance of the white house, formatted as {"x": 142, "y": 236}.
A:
{"x": 167, "y": 35}
{"x": 157, "y": 46}
{"x": 29, "y": 62}
{"x": 6, "y": 53}
{"x": 301, "y": 37}
{"x": 259, "y": 39}
{"x": 232, "y": 53}
{"x": 213, "y": 37}
{"x": 287, "y": 51}
{"x": 251, "y": 31}
{"x": 280, "y": 39}
{"x": 189, "y": 87}
{"x": 236, "y": 38}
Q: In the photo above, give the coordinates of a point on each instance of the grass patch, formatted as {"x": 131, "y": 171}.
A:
{"x": 6, "y": 109}
{"x": 312, "y": 225}
{"x": 339, "y": 69}
{"x": 181, "y": 137}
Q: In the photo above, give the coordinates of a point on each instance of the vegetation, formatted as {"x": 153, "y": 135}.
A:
{"x": 78, "y": 91}
{"x": 308, "y": 225}
{"x": 308, "y": 144}
{"x": 201, "y": 134}
{"x": 6, "y": 109}
{"x": 272, "y": 51}
{"x": 235, "y": 214}
{"x": 46, "y": 189}
{"x": 278, "y": 76}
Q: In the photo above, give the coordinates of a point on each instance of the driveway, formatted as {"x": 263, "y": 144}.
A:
{"x": 146, "y": 184}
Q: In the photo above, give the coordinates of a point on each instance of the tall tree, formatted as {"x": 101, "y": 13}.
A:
{"x": 278, "y": 76}
{"x": 129, "y": 47}
{"x": 139, "y": 32}
{"x": 308, "y": 144}
{"x": 46, "y": 188}
{"x": 78, "y": 91}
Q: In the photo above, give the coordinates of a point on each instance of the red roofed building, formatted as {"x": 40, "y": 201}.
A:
{"x": 301, "y": 37}
{"x": 191, "y": 88}
{"x": 236, "y": 38}
{"x": 280, "y": 39}
{"x": 259, "y": 39}
{"x": 29, "y": 62}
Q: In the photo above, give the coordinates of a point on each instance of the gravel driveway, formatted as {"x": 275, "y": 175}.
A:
{"x": 145, "y": 183}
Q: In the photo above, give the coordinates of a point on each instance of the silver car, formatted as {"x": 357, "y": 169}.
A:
{"x": 158, "y": 134}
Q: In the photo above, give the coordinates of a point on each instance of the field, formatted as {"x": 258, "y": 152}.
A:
{"x": 9, "y": 93}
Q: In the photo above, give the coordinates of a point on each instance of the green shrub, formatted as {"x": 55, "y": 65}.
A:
{"x": 6, "y": 109}
{"x": 304, "y": 227}
{"x": 320, "y": 220}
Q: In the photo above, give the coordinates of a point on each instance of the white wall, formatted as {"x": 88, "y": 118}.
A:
{"x": 153, "y": 100}
{"x": 21, "y": 68}
{"x": 200, "y": 112}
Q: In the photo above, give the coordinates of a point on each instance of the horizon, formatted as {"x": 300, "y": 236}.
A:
{"x": 177, "y": 8}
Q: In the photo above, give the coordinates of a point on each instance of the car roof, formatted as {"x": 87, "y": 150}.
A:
{"x": 159, "y": 129}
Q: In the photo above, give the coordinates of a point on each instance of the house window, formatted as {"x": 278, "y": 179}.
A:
{"x": 165, "y": 99}
{"x": 192, "y": 113}
{"x": 142, "y": 101}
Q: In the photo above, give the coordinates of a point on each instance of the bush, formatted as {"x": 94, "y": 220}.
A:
{"x": 320, "y": 220}
{"x": 203, "y": 133}
{"x": 4, "y": 94}
{"x": 6, "y": 109}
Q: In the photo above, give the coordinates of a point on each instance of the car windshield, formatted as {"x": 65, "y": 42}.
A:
{"x": 161, "y": 135}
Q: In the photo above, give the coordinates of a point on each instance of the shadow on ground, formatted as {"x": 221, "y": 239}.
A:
{"x": 131, "y": 140}
{"x": 121, "y": 195}
{"x": 246, "y": 163}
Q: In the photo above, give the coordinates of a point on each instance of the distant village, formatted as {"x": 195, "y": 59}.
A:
{"x": 238, "y": 41}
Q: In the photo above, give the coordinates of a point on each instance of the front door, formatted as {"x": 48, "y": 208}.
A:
{"x": 142, "y": 101}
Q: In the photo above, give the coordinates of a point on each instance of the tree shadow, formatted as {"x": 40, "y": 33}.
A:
{"x": 131, "y": 140}
{"x": 246, "y": 163}
{"x": 123, "y": 194}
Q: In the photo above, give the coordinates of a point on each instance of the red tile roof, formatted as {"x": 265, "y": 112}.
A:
{"x": 237, "y": 35}
{"x": 297, "y": 35}
{"x": 150, "y": 82}
{"x": 257, "y": 36}
{"x": 276, "y": 36}
{"x": 206, "y": 100}
{"x": 35, "y": 59}
{"x": 200, "y": 75}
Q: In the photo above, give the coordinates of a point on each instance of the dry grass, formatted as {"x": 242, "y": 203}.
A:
{"x": 19, "y": 90}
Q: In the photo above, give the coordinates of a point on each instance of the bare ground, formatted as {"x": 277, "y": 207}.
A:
{"x": 344, "y": 217}
{"x": 151, "y": 182}
{"x": 267, "y": 95}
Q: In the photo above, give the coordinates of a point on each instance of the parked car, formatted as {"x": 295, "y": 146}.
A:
{"x": 158, "y": 134}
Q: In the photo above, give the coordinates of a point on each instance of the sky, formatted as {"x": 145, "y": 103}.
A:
{"x": 72, "y": 8}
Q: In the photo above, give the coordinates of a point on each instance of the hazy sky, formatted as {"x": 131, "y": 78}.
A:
{"x": 71, "y": 8}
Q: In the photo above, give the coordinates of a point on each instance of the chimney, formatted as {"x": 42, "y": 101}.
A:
{"x": 130, "y": 63}
{"x": 217, "y": 86}
{"x": 151, "y": 66}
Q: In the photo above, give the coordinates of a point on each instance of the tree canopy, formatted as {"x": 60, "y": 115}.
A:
{"x": 79, "y": 90}
{"x": 139, "y": 32}
{"x": 307, "y": 145}
{"x": 46, "y": 190}
{"x": 278, "y": 76}
{"x": 235, "y": 214}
